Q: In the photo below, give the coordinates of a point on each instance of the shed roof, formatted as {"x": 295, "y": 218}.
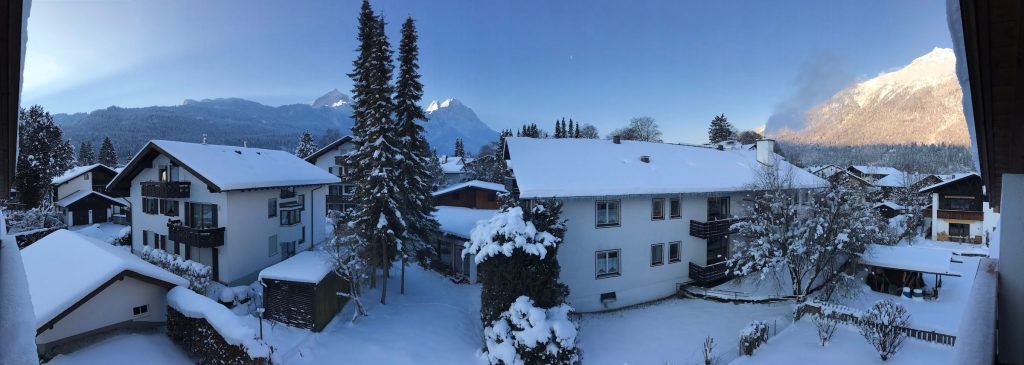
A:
{"x": 79, "y": 170}
{"x": 909, "y": 258}
{"x": 459, "y": 221}
{"x": 472, "y": 184}
{"x": 305, "y": 267}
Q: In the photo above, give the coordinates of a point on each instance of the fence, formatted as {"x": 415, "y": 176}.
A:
{"x": 852, "y": 316}
{"x": 735, "y": 296}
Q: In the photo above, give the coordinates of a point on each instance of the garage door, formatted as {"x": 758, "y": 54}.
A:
{"x": 79, "y": 217}
{"x": 99, "y": 215}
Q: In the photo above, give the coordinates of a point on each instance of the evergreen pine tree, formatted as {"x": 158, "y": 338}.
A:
{"x": 418, "y": 210}
{"x": 571, "y": 132}
{"x": 558, "y": 129}
{"x": 460, "y": 151}
{"x": 377, "y": 140}
{"x": 108, "y": 156}
{"x": 43, "y": 153}
{"x": 565, "y": 131}
{"x": 306, "y": 146}
{"x": 86, "y": 154}
{"x": 720, "y": 129}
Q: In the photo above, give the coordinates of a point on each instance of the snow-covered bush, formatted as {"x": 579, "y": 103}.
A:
{"x": 505, "y": 232}
{"x": 525, "y": 334}
{"x": 753, "y": 336}
{"x": 235, "y": 295}
{"x": 826, "y": 327}
{"x": 45, "y": 217}
{"x": 882, "y": 326}
{"x": 708, "y": 351}
{"x": 211, "y": 332}
{"x": 198, "y": 275}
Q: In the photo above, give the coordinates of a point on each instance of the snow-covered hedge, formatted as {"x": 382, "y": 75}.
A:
{"x": 529, "y": 335}
{"x": 45, "y": 217}
{"x": 752, "y": 336}
{"x": 505, "y": 232}
{"x": 225, "y": 323}
{"x": 198, "y": 275}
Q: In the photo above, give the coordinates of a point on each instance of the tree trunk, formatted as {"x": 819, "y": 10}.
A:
{"x": 402, "y": 287}
{"x": 373, "y": 276}
{"x": 384, "y": 276}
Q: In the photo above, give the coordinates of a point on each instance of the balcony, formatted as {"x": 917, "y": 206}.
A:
{"x": 961, "y": 214}
{"x": 710, "y": 274}
{"x": 195, "y": 237}
{"x": 713, "y": 228}
{"x": 338, "y": 199}
{"x": 166, "y": 189}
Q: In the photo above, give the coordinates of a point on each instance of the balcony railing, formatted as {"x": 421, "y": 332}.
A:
{"x": 196, "y": 237}
{"x": 961, "y": 214}
{"x": 338, "y": 198}
{"x": 710, "y": 274}
{"x": 166, "y": 189}
{"x": 713, "y": 228}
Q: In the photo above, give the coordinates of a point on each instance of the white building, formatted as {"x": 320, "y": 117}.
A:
{"x": 642, "y": 218}
{"x": 235, "y": 209}
{"x": 454, "y": 168}
{"x": 81, "y": 286}
{"x": 331, "y": 158}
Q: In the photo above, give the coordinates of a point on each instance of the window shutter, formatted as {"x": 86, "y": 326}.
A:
{"x": 188, "y": 214}
{"x": 214, "y": 208}
{"x": 145, "y": 238}
{"x": 177, "y": 207}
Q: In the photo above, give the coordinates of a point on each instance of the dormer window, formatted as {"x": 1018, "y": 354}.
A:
{"x": 168, "y": 173}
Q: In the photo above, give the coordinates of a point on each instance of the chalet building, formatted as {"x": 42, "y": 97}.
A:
{"x": 474, "y": 194}
{"x": 459, "y": 208}
{"x": 235, "y": 209}
{"x": 825, "y": 171}
{"x": 888, "y": 209}
{"x": 454, "y": 168}
{"x": 899, "y": 182}
{"x": 331, "y": 158}
{"x": 958, "y": 209}
{"x": 80, "y": 194}
{"x": 81, "y": 287}
{"x": 641, "y": 218}
{"x": 845, "y": 177}
{"x": 872, "y": 173}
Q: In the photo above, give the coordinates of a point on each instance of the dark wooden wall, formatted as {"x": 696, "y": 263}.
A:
{"x": 469, "y": 197}
{"x": 10, "y": 84}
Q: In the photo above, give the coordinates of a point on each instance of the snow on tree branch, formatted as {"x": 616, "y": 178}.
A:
{"x": 540, "y": 335}
{"x": 506, "y": 231}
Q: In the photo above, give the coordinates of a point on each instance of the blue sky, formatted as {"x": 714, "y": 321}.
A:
{"x": 602, "y": 62}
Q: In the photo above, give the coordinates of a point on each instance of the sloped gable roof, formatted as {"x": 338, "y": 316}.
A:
{"x": 77, "y": 171}
{"x": 472, "y": 184}
{"x": 954, "y": 178}
{"x": 81, "y": 194}
{"x": 328, "y": 148}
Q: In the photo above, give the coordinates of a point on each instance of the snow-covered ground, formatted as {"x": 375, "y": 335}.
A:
{"x": 672, "y": 331}
{"x": 960, "y": 248}
{"x": 106, "y": 232}
{"x": 151, "y": 349}
{"x": 798, "y": 344}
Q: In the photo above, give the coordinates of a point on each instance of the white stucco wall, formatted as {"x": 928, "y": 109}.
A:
{"x": 112, "y": 306}
{"x": 73, "y": 185}
{"x": 638, "y": 281}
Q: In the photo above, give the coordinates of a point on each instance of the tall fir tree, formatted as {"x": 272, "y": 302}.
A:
{"x": 558, "y": 129}
{"x": 571, "y": 133}
{"x": 43, "y": 153}
{"x": 377, "y": 140}
{"x": 306, "y": 146}
{"x": 460, "y": 150}
{"x": 720, "y": 129}
{"x": 415, "y": 169}
{"x": 108, "y": 155}
{"x": 86, "y": 154}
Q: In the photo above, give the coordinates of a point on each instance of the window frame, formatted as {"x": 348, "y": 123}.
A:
{"x": 618, "y": 213}
{"x": 679, "y": 252}
{"x": 660, "y": 249}
{"x": 618, "y": 265}
{"x": 271, "y": 208}
{"x": 679, "y": 208}
{"x": 657, "y": 202}
{"x": 287, "y": 215}
{"x": 140, "y": 311}
{"x": 273, "y": 247}
{"x": 345, "y": 189}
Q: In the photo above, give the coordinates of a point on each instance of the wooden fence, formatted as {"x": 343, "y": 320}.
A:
{"x": 734, "y": 296}
{"x": 852, "y": 316}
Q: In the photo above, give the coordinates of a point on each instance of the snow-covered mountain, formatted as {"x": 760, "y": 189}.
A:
{"x": 919, "y": 103}
{"x": 236, "y": 121}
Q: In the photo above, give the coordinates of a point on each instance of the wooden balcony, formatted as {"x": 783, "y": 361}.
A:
{"x": 713, "y": 228}
{"x": 166, "y": 189}
{"x": 195, "y": 237}
{"x": 338, "y": 199}
{"x": 961, "y": 215}
{"x": 710, "y": 274}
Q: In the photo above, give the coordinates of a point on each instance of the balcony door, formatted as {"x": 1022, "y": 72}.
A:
{"x": 718, "y": 249}
{"x": 718, "y": 208}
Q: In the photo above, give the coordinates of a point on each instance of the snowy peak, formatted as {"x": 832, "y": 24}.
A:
{"x": 333, "y": 99}
{"x": 447, "y": 103}
{"x": 936, "y": 67}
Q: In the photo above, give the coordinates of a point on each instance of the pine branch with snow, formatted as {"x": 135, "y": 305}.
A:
{"x": 306, "y": 146}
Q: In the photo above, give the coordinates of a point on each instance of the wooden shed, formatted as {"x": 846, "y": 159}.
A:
{"x": 302, "y": 291}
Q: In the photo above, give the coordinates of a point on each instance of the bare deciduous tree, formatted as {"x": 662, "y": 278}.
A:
{"x": 639, "y": 129}
{"x": 881, "y": 326}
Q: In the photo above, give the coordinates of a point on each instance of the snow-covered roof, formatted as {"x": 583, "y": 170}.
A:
{"x": 231, "y": 167}
{"x": 948, "y": 179}
{"x": 75, "y": 171}
{"x": 460, "y": 221}
{"x": 452, "y": 164}
{"x": 64, "y": 267}
{"x": 876, "y": 170}
{"x": 328, "y": 148}
{"x": 229, "y": 325}
{"x": 910, "y": 258}
{"x": 304, "y": 267}
{"x": 78, "y": 195}
{"x": 472, "y": 184}
{"x": 595, "y": 167}
{"x": 890, "y": 204}
{"x": 896, "y": 179}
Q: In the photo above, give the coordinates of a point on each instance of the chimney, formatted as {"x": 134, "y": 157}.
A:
{"x": 645, "y": 159}
{"x": 765, "y": 151}
{"x": 617, "y": 139}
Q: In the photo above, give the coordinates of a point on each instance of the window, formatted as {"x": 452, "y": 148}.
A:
{"x": 291, "y": 217}
{"x": 288, "y": 192}
{"x": 657, "y": 254}
{"x": 140, "y": 310}
{"x": 201, "y": 215}
{"x": 959, "y": 203}
{"x": 607, "y": 263}
{"x": 169, "y": 207}
{"x": 145, "y": 238}
{"x": 675, "y": 210}
{"x": 657, "y": 209}
{"x": 348, "y": 189}
{"x": 959, "y": 230}
{"x": 150, "y": 205}
{"x": 673, "y": 252}
{"x": 718, "y": 208}
{"x": 85, "y": 176}
{"x": 607, "y": 212}
{"x": 272, "y": 246}
{"x": 718, "y": 249}
{"x": 168, "y": 173}
{"x": 272, "y": 208}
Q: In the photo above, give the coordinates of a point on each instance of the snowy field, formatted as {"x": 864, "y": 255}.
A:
{"x": 798, "y": 344}
{"x": 153, "y": 349}
{"x": 671, "y": 331}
